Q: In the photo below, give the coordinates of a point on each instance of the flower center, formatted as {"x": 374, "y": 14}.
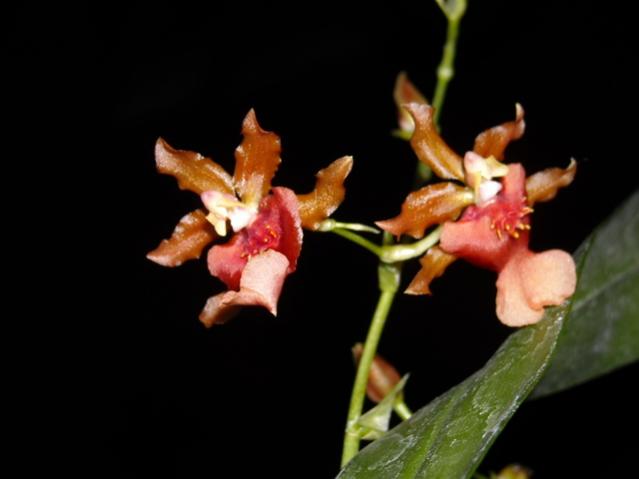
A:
{"x": 479, "y": 172}
{"x": 262, "y": 235}
{"x": 223, "y": 207}
{"x": 511, "y": 220}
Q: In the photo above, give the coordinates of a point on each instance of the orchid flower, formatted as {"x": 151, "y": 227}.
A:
{"x": 485, "y": 211}
{"x": 266, "y": 222}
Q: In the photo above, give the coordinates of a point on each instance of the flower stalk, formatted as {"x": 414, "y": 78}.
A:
{"x": 392, "y": 255}
{"x": 402, "y": 252}
{"x": 454, "y": 11}
{"x": 389, "y": 278}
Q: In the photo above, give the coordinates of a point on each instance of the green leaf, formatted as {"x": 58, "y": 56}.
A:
{"x": 603, "y": 331}
{"x": 449, "y": 437}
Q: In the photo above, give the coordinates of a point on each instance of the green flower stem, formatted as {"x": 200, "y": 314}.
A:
{"x": 446, "y": 69}
{"x": 402, "y": 252}
{"x": 454, "y": 11}
{"x": 330, "y": 224}
{"x": 360, "y": 240}
{"x": 393, "y": 253}
{"x": 389, "y": 276}
{"x": 403, "y": 410}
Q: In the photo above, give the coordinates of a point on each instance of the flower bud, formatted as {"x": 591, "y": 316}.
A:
{"x": 382, "y": 378}
{"x": 514, "y": 471}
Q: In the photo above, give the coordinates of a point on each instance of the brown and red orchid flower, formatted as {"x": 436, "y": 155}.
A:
{"x": 266, "y": 222}
{"x": 485, "y": 211}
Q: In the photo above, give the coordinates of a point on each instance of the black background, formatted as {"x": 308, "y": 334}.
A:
{"x": 262, "y": 396}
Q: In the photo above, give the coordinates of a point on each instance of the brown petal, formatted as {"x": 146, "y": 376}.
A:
{"x": 256, "y": 160}
{"x": 405, "y": 92}
{"x": 382, "y": 378}
{"x": 191, "y": 235}
{"x": 543, "y": 186}
{"x": 329, "y": 192}
{"x": 494, "y": 141}
{"x": 261, "y": 285}
{"x": 434, "y": 263}
{"x": 430, "y": 147}
{"x": 427, "y": 206}
{"x": 193, "y": 171}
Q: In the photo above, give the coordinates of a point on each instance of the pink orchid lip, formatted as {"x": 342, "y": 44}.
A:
{"x": 260, "y": 285}
{"x": 530, "y": 281}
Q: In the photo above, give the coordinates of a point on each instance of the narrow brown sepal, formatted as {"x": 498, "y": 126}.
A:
{"x": 432, "y": 204}
{"x": 191, "y": 235}
{"x": 434, "y": 263}
{"x": 544, "y": 185}
{"x": 256, "y": 160}
{"x": 193, "y": 171}
{"x": 430, "y": 148}
{"x": 328, "y": 194}
{"x": 493, "y": 142}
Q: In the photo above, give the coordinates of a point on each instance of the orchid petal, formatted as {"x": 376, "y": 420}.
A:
{"x": 494, "y": 141}
{"x": 476, "y": 242}
{"x": 543, "y": 186}
{"x": 227, "y": 261}
{"x": 429, "y": 205}
{"x": 256, "y": 160}
{"x": 549, "y": 277}
{"x": 405, "y": 92}
{"x": 329, "y": 192}
{"x": 261, "y": 285}
{"x": 193, "y": 171}
{"x": 434, "y": 263}
{"x": 513, "y": 308}
{"x": 191, "y": 235}
{"x": 430, "y": 147}
{"x": 530, "y": 281}
{"x": 290, "y": 245}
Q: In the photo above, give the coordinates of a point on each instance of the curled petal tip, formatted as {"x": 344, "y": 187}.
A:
{"x": 405, "y": 92}
{"x": 329, "y": 192}
{"x": 429, "y": 147}
{"x": 493, "y": 141}
{"x": 250, "y": 123}
{"x": 544, "y": 185}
